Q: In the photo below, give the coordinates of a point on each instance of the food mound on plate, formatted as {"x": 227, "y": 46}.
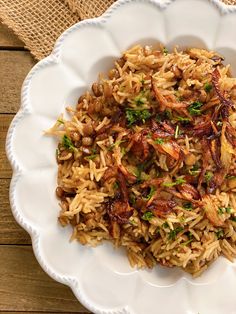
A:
{"x": 147, "y": 159}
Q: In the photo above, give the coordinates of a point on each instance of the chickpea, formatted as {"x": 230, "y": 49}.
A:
{"x": 232, "y": 183}
{"x": 88, "y": 129}
{"x": 87, "y": 141}
{"x": 190, "y": 159}
{"x": 60, "y": 192}
{"x": 75, "y": 136}
{"x": 97, "y": 89}
{"x": 113, "y": 74}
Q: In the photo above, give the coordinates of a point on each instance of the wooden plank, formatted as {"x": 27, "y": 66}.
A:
{"x": 9, "y": 39}
{"x": 10, "y": 231}
{"x": 5, "y": 168}
{"x": 14, "y": 66}
{"x": 25, "y": 287}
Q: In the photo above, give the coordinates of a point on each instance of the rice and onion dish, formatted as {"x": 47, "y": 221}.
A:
{"x": 147, "y": 159}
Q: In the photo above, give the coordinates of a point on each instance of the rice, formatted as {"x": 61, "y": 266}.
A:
{"x": 147, "y": 159}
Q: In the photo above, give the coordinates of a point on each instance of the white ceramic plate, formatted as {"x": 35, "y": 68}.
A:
{"x": 101, "y": 278}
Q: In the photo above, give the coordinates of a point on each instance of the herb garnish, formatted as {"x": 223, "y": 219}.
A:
{"x": 151, "y": 193}
{"x": 194, "y": 171}
{"x": 188, "y": 206}
{"x": 159, "y": 141}
{"x": 173, "y": 233}
{"x": 219, "y": 233}
{"x": 177, "y": 182}
{"x": 165, "y": 51}
{"x": 194, "y": 108}
{"x": 134, "y": 116}
{"x": 67, "y": 143}
{"x": 147, "y": 216}
{"x": 208, "y": 175}
{"x": 208, "y": 87}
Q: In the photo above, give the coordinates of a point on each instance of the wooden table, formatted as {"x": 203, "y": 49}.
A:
{"x": 24, "y": 287}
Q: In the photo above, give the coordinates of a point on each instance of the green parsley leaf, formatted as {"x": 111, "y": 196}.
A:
{"x": 165, "y": 51}
{"x": 159, "y": 141}
{"x": 222, "y": 210}
{"x": 194, "y": 108}
{"x": 219, "y": 233}
{"x": 132, "y": 199}
{"x": 134, "y": 116}
{"x": 57, "y": 152}
{"x": 182, "y": 119}
{"x": 147, "y": 216}
{"x": 91, "y": 157}
{"x": 230, "y": 177}
{"x": 233, "y": 218}
{"x": 177, "y": 182}
{"x": 208, "y": 87}
{"x": 132, "y": 221}
{"x": 151, "y": 193}
{"x": 208, "y": 175}
{"x": 176, "y": 131}
{"x": 194, "y": 171}
{"x": 173, "y": 233}
{"x": 115, "y": 185}
{"x": 60, "y": 121}
{"x": 67, "y": 143}
{"x": 165, "y": 225}
{"x": 188, "y": 206}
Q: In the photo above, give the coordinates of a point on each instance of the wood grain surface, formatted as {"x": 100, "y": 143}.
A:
{"x": 24, "y": 286}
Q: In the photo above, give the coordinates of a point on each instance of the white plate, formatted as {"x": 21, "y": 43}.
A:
{"x": 101, "y": 278}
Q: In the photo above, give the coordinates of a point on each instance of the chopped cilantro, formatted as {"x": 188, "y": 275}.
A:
{"x": 176, "y": 131}
{"x": 194, "y": 171}
{"x": 219, "y": 233}
{"x": 147, "y": 216}
{"x": 133, "y": 116}
{"x": 139, "y": 171}
{"x": 222, "y": 210}
{"x": 208, "y": 87}
{"x": 159, "y": 141}
{"x": 94, "y": 151}
{"x": 165, "y": 225}
{"x": 173, "y": 233}
{"x": 182, "y": 119}
{"x": 233, "y": 218}
{"x": 219, "y": 123}
{"x": 208, "y": 175}
{"x": 132, "y": 221}
{"x": 67, "y": 143}
{"x": 112, "y": 146}
{"x": 165, "y": 51}
{"x": 230, "y": 177}
{"x": 115, "y": 185}
{"x": 91, "y": 157}
{"x": 188, "y": 206}
{"x": 177, "y": 182}
{"x": 60, "y": 121}
{"x": 151, "y": 193}
{"x": 132, "y": 199}
{"x": 139, "y": 101}
{"x": 57, "y": 152}
{"x": 195, "y": 108}
{"x": 149, "y": 135}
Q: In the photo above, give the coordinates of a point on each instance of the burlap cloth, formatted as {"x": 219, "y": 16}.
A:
{"x": 38, "y": 23}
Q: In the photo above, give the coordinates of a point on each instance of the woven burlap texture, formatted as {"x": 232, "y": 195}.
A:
{"x": 38, "y": 23}
{"x": 92, "y": 8}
